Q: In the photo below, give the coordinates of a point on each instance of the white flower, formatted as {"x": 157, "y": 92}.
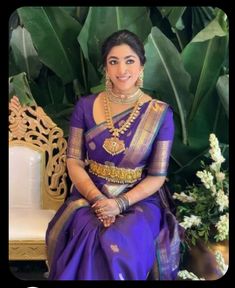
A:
{"x": 215, "y": 166}
{"x": 213, "y": 189}
{"x": 190, "y": 221}
{"x": 206, "y": 178}
{"x": 183, "y": 197}
{"x": 184, "y": 274}
{"x": 215, "y": 151}
{"x": 222, "y": 200}
{"x": 220, "y": 176}
{"x": 222, "y": 227}
{"x": 216, "y": 155}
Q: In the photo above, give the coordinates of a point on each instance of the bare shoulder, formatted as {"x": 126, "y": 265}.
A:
{"x": 100, "y": 96}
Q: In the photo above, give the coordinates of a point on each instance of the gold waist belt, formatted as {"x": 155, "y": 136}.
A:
{"x": 115, "y": 174}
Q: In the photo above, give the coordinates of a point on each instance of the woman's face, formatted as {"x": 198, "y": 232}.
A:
{"x": 123, "y": 67}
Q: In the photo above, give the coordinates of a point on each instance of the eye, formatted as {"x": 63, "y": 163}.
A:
{"x": 113, "y": 62}
{"x": 130, "y": 61}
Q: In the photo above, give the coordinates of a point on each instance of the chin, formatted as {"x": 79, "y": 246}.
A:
{"x": 125, "y": 87}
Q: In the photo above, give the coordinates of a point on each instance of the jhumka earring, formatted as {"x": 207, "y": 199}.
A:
{"x": 108, "y": 83}
{"x": 140, "y": 80}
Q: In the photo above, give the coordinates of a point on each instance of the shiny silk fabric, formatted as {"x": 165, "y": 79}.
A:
{"x": 144, "y": 241}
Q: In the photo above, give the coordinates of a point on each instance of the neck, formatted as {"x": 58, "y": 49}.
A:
{"x": 128, "y": 93}
{"x": 124, "y": 98}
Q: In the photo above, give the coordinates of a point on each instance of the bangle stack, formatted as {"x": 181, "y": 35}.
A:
{"x": 122, "y": 202}
{"x": 96, "y": 198}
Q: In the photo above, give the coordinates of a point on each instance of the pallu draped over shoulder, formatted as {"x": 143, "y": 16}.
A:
{"x": 144, "y": 240}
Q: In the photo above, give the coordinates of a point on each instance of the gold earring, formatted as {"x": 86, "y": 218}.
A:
{"x": 108, "y": 83}
{"x": 140, "y": 80}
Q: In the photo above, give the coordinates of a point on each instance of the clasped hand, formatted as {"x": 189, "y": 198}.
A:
{"x": 106, "y": 211}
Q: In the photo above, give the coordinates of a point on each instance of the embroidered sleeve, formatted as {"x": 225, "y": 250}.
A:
{"x": 76, "y": 146}
{"x": 161, "y": 149}
{"x": 76, "y": 143}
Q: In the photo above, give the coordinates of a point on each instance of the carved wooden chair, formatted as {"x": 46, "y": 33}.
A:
{"x": 37, "y": 179}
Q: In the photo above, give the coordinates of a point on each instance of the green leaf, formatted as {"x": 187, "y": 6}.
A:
{"x": 222, "y": 87}
{"x": 103, "y": 21}
{"x": 19, "y": 86}
{"x": 201, "y": 17}
{"x": 60, "y": 114}
{"x": 203, "y": 58}
{"x": 164, "y": 72}
{"x": 174, "y": 15}
{"x": 25, "y": 55}
{"x": 54, "y": 34}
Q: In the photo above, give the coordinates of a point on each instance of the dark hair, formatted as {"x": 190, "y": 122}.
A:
{"x": 123, "y": 37}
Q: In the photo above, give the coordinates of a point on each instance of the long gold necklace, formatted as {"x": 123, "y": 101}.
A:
{"x": 124, "y": 99}
{"x": 114, "y": 145}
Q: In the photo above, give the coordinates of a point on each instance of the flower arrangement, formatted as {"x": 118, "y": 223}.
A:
{"x": 203, "y": 208}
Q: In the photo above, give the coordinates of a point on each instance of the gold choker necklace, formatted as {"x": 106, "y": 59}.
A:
{"x": 122, "y": 98}
{"x": 114, "y": 145}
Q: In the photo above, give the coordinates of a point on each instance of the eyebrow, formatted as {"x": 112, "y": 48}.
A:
{"x": 114, "y": 57}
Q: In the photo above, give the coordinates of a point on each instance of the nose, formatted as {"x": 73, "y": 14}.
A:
{"x": 122, "y": 68}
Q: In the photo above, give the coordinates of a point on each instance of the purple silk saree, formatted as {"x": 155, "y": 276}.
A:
{"x": 145, "y": 239}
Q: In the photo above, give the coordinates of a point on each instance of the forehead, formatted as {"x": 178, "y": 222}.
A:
{"x": 121, "y": 51}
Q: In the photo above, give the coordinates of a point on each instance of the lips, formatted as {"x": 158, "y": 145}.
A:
{"x": 123, "y": 78}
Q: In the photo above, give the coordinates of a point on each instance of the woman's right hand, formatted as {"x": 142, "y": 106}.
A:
{"x": 106, "y": 207}
{"x": 108, "y": 221}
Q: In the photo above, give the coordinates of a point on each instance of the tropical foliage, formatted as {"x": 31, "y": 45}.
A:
{"x": 54, "y": 59}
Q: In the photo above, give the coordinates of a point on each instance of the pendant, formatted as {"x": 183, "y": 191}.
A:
{"x": 114, "y": 146}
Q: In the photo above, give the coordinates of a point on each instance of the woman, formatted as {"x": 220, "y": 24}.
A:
{"x": 117, "y": 218}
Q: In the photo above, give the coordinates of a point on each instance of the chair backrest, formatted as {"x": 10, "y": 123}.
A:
{"x": 37, "y": 161}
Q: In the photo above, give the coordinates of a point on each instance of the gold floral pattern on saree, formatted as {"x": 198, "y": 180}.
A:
{"x": 92, "y": 145}
{"x": 114, "y": 248}
{"x": 76, "y": 144}
{"x": 160, "y": 158}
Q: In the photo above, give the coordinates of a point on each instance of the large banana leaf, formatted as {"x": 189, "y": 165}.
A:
{"x": 222, "y": 87}
{"x": 79, "y": 13}
{"x": 164, "y": 73}
{"x": 201, "y": 17}
{"x": 54, "y": 34}
{"x": 25, "y": 55}
{"x": 174, "y": 15}
{"x": 18, "y": 85}
{"x": 103, "y": 21}
{"x": 49, "y": 89}
{"x": 203, "y": 58}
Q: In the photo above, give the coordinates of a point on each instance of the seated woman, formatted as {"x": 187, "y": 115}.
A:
{"x": 117, "y": 218}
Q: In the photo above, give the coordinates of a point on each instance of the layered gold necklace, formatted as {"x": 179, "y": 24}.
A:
{"x": 114, "y": 145}
{"x": 124, "y": 99}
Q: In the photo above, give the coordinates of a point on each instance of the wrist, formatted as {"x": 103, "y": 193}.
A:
{"x": 122, "y": 203}
{"x": 96, "y": 198}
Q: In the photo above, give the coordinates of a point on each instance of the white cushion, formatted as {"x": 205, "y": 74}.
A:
{"x": 28, "y": 224}
{"x": 25, "y": 177}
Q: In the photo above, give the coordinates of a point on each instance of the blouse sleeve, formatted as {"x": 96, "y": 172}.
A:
{"x": 161, "y": 149}
{"x": 76, "y": 143}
